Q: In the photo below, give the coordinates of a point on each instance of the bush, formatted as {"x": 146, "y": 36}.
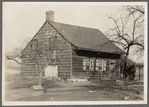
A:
{"x": 48, "y": 82}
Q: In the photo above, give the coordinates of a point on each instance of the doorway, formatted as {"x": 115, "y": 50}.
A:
{"x": 51, "y": 71}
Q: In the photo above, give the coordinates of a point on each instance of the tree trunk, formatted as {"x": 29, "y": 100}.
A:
{"x": 125, "y": 72}
{"x": 40, "y": 75}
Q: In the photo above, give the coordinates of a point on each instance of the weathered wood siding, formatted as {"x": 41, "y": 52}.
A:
{"x": 60, "y": 46}
{"x": 117, "y": 69}
{"x": 78, "y": 72}
{"x": 77, "y": 67}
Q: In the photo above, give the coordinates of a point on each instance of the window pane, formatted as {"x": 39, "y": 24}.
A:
{"x": 111, "y": 67}
{"x": 84, "y": 62}
{"x": 87, "y": 62}
{"x": 104, "y": 69}
{"x": 108, "y": 62}
{"x": 92, "y": 68}
{"x": 92, "y": 62}
{"x": 100, "y": 68}
{"x": 97, "y": 68}
{"x": 97, "y": 63}
{"x": 84, "y": 67}
{"x": 104, "y": 63}
{"x": 100, "y": 63}
{"x": 87, "y": 67}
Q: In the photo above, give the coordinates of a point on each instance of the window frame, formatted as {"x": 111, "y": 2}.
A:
{"x": 86, "y": 64}
{"x": 90, "y": 63}
{"x": 99, "y": 63}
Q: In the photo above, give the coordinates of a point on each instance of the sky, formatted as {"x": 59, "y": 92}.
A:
{"x": 22, "y": 20}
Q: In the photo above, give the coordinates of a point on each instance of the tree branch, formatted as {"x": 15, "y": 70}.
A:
{"x": 14, "y": 59}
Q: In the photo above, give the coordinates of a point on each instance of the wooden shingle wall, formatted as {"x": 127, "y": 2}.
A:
{"x": 49, "y": 43}
{"x": 77, "y": 67}
{"x": 117, "y": 69}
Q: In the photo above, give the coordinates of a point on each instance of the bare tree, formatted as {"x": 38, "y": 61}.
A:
{"x": 128, "y": 31}
{"x": 45, "y": 51}
{"x": 15, "y": 54}
{"x": 36, "y": 54}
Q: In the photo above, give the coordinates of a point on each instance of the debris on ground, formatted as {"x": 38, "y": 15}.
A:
{"x": 92, "y": 91}
{"x": 73, "y": 80}
{"x": 78, "y": 80}
{"x": 38, "y": 87}
{"x": 126, "y": 97}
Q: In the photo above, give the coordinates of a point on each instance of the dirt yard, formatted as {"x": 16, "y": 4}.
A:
{"x": 20, "y": 89}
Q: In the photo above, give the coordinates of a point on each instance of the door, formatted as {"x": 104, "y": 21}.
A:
{"x": 51, "y": 71}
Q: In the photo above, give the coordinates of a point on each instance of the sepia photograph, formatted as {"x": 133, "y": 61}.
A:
{"x": 74, "y": 53}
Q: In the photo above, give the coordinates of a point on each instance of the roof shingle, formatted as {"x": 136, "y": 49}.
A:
{"x": 87, "y": 38}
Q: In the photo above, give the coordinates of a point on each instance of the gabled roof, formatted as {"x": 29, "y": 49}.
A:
{"x": 86, "y": 38}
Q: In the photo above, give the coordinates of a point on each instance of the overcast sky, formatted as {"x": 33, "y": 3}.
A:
{"x": 23, "y": 19}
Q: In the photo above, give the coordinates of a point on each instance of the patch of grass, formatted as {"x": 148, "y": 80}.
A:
{"x": 104, "y": 90}
{"x": 21, "y": 82}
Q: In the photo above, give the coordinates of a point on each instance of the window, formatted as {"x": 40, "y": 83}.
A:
{"x": 112, "y": 65}
{"x": 92, "y": 64}
{"x": 86, "y": 64}
{"x": 99, "y": 65}
{"x": 104, "y": 65}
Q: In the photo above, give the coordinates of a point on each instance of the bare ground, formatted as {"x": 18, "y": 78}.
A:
{"x": 20, "y": 89}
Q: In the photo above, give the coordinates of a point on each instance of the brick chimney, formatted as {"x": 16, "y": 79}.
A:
{"x": 50, "y": 16}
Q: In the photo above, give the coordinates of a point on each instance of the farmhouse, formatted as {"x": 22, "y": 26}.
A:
{"x": 74, "y": 51}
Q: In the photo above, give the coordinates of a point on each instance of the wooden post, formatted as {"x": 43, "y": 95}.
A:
{"x": 94, "y": 64}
